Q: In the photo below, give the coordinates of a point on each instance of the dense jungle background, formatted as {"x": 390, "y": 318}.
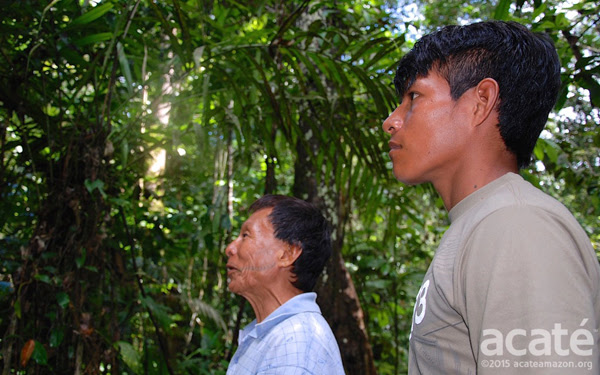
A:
{"x": 134, "y": 135}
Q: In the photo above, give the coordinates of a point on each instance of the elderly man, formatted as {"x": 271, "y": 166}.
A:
{"x": 274, "y": 264}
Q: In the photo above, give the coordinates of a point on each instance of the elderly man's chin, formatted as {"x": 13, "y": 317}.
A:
{"x": 236, "y": 284}
{"x": 231, "y": 283}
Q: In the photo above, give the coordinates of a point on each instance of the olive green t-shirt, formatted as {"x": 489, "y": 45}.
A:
{"x": 514, "y": 288}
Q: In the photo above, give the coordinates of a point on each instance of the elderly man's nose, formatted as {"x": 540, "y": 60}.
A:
{"x": 230, "y": 249}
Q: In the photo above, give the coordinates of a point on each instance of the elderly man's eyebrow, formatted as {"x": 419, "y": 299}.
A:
{"x": 244, "y": 227}
{"x": 247, "y": 226}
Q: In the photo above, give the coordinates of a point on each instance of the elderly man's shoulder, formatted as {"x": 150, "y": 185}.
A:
{"x": 304, "y": 328}
{"x": 305, "y": 340}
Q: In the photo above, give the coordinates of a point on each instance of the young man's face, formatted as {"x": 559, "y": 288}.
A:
{"x": 427, "y": 132}
{"x": 252, "y": 256}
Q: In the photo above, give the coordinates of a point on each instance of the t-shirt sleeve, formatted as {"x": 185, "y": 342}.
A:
{"x": 528, "y": 295}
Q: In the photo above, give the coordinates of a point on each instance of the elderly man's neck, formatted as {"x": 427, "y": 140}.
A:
{"x": 270, "y": 299}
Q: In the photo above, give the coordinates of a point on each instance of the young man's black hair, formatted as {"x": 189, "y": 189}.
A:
{"x": 525, "y": 65}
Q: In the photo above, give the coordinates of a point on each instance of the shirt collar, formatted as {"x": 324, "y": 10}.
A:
{"x": 305, "y": 302}
{"x": 474, "y": 198}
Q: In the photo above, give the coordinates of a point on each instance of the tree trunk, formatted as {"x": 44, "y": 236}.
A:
{"x": 337, "y": 296}
{"x": 338, "y": 299}
{"x": 341, "y": 307}
{"x": 65, "y": 262}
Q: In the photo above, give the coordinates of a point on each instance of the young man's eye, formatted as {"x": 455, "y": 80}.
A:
{"x": 409, "y": 96}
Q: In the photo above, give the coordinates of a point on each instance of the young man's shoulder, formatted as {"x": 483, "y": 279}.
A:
{"x": 527, "y": 224}
{"x": 513, "y": 193}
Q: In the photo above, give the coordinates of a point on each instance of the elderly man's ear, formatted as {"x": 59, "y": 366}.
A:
{"x": 289, "y": 255}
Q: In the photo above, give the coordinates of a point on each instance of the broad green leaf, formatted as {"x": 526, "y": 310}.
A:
{"x": 125, "y": 67}
{"x": 43, "y": 278}
{"x": 538, "y": 150}
{"x": 377, "y": 284}
{"x": 587, "y": 81}
{"x": 131, "y": 357}
{"x": 63, "y": 299}
{"x": 56, "y": 337}
{"x": 92, "y": 15}
{"x": 367, "y": 46}
{"x": 39, "y": 354}
{"x": 552, "y": 150}
{"x": 161, "y": 312}
{"x": 502, "y": 9}
{"x": 94, "y": 38}
{"x": 539, "y": 10}
{"x": 51, "y": 110}
{"x": 93, "y": 185}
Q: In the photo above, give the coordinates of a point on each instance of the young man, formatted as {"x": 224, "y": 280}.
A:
{"x": 514, "y": 287}
{"x": 274, "y": 264}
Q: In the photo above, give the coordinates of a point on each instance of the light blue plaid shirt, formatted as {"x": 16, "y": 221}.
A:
{"x": 295, "y": 339}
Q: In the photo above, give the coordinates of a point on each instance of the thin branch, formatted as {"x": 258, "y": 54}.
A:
{"x": 236, "y": 329}
{"x": 161, "y": 340}
{"x": 113, "y": 75}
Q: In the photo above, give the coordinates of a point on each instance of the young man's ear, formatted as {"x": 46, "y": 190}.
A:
{"x": 487, "y": 94}
{"x": 289, "y": 255}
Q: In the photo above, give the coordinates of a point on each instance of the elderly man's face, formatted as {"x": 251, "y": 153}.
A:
{"x": 253, "y": 255}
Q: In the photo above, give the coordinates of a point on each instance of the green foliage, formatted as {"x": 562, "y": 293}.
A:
{"x": 39, "y": 354}
{"x": 130, "y": 356}
{"x": 135, "y": 134}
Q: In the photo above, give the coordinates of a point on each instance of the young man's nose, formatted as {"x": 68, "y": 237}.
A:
{"x": 393, "y": 122}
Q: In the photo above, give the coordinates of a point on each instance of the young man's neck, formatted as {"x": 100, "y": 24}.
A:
{"x": 472, "y": 185}
{"x": 473, "y": 177}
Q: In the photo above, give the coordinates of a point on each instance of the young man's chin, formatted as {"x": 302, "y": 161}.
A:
{"x": 405, "y": 179}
